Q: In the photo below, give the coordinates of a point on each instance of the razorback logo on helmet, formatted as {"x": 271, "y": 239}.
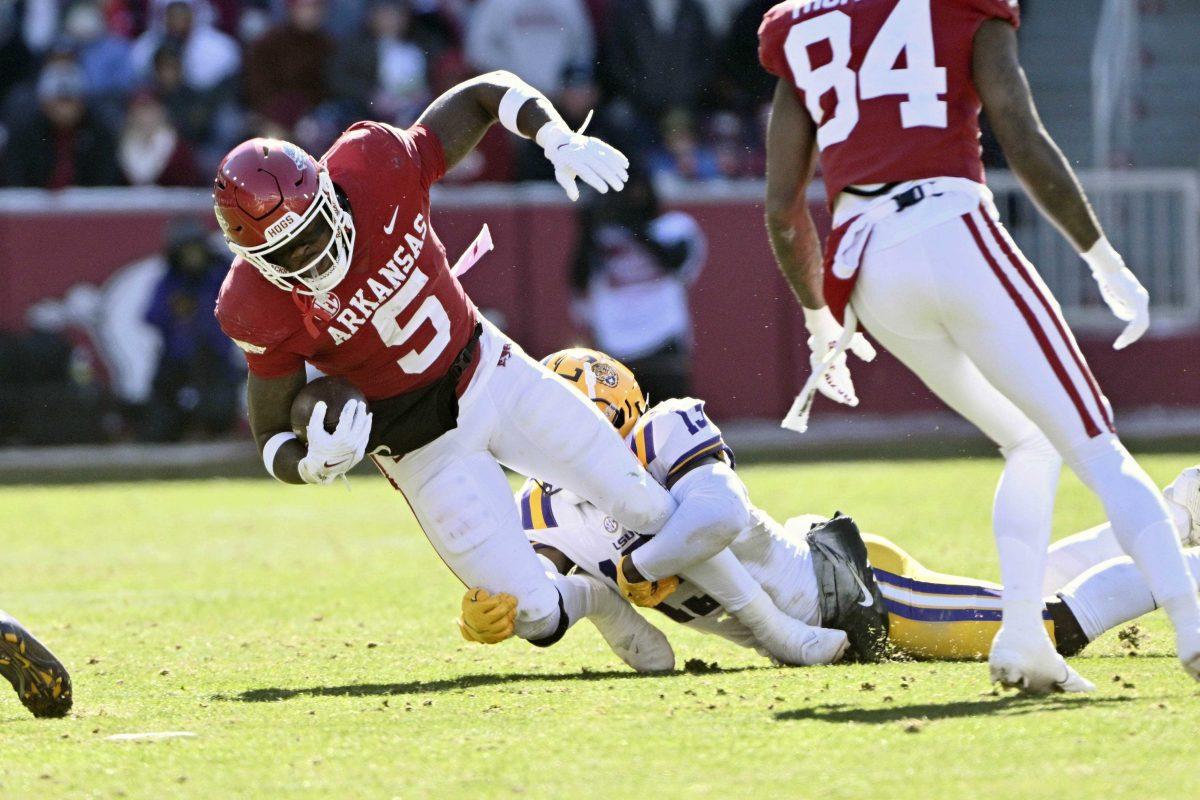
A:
{"x": 298, "y": 156}
{"x": 605, "y": 373}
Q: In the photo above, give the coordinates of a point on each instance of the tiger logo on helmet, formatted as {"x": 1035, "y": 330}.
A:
{"x": 605, "y": 381}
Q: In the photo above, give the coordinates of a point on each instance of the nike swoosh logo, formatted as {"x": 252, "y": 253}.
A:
{"x": 868, "y": 599}
{"x": 338, "y": 463}
{"x": 387, "y": 229}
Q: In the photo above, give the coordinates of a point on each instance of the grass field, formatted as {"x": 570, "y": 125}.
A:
{"x": 305, "y": 637}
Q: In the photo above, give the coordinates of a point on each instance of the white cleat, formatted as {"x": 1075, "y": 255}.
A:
{"x": 1187, "y": 645}
{"x": 635, "y": 641}
{"x": 800, "y": 645}
{"x": 1030, "y": 664}
{"x": 1183, "y": 494}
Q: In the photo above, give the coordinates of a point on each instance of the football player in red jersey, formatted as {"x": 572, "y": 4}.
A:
{"x": 338, "y": 265}
{"x": 889, "y": 93}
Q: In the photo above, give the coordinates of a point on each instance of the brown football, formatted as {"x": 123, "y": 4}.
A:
{"x": 334, "y": 391}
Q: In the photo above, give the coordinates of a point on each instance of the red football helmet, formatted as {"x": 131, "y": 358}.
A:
{"x": 273, "y": 200}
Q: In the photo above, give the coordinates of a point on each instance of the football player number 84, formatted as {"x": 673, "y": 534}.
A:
{"x": 907, "y": 30}
{"x": 386, "y": 321}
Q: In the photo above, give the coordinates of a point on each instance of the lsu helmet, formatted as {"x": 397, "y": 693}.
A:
{"x": 270, "y": 195}
{"x": 605, "y": 381}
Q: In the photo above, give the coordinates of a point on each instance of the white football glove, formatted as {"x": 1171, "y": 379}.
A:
{"x": 596, "y": 163}
{"x": 334, "y": 454}
{"x": 1121, "y": 290}
{"x": 824, "y": 332}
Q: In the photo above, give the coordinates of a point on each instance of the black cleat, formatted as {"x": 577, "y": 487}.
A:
{"x": 40, "y": 679}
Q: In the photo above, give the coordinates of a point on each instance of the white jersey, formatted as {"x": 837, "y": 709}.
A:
{"x": 669, "y": 438}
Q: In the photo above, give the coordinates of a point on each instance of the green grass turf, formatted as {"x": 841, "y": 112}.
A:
{"x": 306, "y": 637}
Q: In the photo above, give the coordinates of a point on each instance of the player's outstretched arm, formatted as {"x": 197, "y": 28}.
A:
{"x": 463, "y": 114}
{"x": 791, "y": 156}
{"x": 1046, "y": 175}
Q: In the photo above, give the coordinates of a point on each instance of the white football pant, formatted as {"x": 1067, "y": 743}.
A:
{"x": 517, "y": 413}
{"x": 960, "y": 306}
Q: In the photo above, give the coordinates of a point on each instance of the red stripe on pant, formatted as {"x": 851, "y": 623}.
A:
{"x": 1067, "y": 340}
{"x": 1039, "y": 334}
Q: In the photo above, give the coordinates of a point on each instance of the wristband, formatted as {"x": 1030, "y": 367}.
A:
{"x": 512, "y": 102}
{"x": 1103, "y": 258}
{"x": 272, "y": 449}
{"x": 820, "y": 321}
{"x": 553, "y": 135}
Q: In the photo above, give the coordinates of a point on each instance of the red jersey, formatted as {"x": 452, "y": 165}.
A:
{"x": 887, "y": 82}
{"x": 399, "y": 318}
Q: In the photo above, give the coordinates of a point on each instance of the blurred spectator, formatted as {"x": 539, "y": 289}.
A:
{"x": 742, "y": 83}
{"x": 150, "y": 150}
{"x": 104, "y": 57}
{"x": 196, "y": 383}
{"x": 682, "y": 155}
{"x": 658, "y": 55}
{"x": 190, "y": 110}
{"x": 536, "y": 39}
{"x": 26, "y": 30}
{"x": 62, "y": 144}
{"x": 382, "y": 74}
{"x": 286, "y": 69}
{"x": 209, "y": 57}
{"x": 632, "y": 268}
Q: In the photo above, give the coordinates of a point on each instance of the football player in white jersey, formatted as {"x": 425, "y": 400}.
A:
{"x": 815, "y": 569}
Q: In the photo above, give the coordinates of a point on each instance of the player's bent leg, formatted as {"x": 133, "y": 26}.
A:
{"x": 1074, "y": 555}
{"x": 903, "y": 309}
{"x": 39, "y": 679}
{"x": 784, "y": 638}
{"x": 550, "y": 431}
{"x": 933, "y": 615}
{"x": 1013, "y": 329}
{"x": 463, "y": 502}
{"x": 1113, "y": 593}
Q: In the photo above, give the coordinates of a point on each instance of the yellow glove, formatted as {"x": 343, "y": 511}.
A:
{"x": 645, "y": 593}
{"x": 487, "y": 618}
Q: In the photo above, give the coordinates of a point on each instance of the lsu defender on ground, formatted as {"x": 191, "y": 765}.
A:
{"x": 39, "y": 679}
{"x": 822, "y": 572}
{"x": 338, "y": 266}
{"x": 889, "y": 92}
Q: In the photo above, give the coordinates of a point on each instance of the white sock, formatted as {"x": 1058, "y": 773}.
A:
{"x": 724, "y": 579}
{"x": 760, "y": 613}
{"x": 1114, "y": 593}
{"x": 1021, "y": 518}
{"x": 1142, "y": 525}
{"x": 1076, "y": 554}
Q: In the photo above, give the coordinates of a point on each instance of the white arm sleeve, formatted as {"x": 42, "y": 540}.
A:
{"x": 714, "y": 508}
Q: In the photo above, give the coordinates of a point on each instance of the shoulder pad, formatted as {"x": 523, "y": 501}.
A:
{"x": 674, "y": 435}
{"x": 253, "y": 312}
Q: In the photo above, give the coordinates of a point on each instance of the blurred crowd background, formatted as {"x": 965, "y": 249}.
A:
{"x": 106, "y": 330}
{"x": 154, "y": 92}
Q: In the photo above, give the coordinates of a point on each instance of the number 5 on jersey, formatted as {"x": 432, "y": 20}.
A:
{"x": 908, "y": 31}
{"x": 387, "y": 322}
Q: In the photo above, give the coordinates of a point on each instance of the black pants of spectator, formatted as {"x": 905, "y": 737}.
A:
{"x": 664, "y": 374}
{"x": 190, "y": 396}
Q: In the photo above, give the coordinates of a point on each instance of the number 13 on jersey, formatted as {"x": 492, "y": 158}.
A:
{"x": 906, "y": 34}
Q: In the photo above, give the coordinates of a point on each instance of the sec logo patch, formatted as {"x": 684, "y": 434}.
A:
{"x": 610, "y": 525}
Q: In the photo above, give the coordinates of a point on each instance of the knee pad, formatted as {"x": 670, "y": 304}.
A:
{"x": 1034, "y": 446}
